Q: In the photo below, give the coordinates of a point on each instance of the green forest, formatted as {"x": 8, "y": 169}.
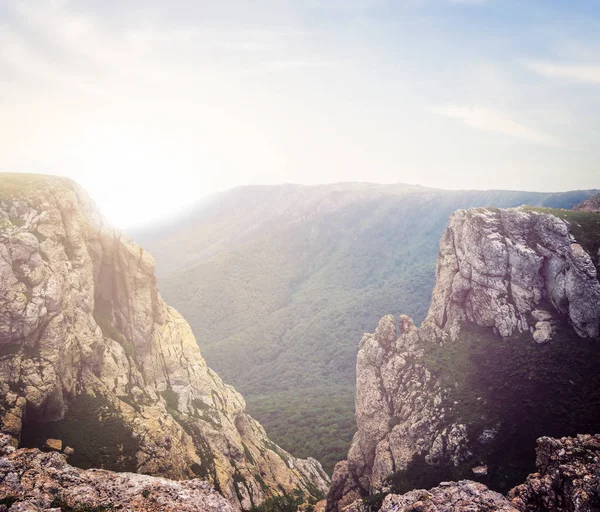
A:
{"x": 279, "y": 294}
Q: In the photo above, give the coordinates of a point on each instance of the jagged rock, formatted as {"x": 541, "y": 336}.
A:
{"x": 589, "y": 205}
{"x": 54, "y": 444}
{"x": 463, "y": 496}
{"x": 399, "y": 414}
{"x": 510, "y": 271}
{"x": 496, "y": 266}
{"x": 83, "y": 330}
{"x": 69, "y": 451}
{"x": 36, "y": 481}
{"x": 568, "y": 477}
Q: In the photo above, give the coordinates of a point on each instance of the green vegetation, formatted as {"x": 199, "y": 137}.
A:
{"x": 94, "y": 428}
{"x": 279, "y": 301}
{"x": 290, "y": 420}
{"x": 286, "y": 503}
{"x": 522, "y": 389}
{"x": 21, "y": 184}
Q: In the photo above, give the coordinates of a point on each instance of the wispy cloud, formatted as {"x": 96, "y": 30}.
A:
{"x": 581, "y": 73}
{"x": 490, "y": 120}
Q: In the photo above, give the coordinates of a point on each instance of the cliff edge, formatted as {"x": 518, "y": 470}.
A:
{"x": 91, "y": 355}
{"x": 506, "y": 354}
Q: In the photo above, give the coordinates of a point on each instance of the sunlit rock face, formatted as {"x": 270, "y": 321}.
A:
{"x": 496, "y": 266}
{"x": 85, "y": 338}
{"x": 506, "y": 273}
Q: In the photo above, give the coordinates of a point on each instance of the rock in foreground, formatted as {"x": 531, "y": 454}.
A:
{"x": 34, "y": 481}
{"x": 568, "y": 477}
{"x": 463, "y": 496}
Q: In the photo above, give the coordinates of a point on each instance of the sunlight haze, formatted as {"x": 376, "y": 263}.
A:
{"x": 152, "y": 105}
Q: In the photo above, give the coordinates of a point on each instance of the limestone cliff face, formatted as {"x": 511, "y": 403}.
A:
{"x": 508, "y": 272}
{"x": 83, "y": 328}
{"x": 497, "y": 267}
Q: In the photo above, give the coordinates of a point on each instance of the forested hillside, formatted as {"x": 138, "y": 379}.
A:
{"x": 279, "y": 283}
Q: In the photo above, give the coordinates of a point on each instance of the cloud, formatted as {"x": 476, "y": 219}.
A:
{"x": 275, "y": 66}
{"x": 580, "y": 73}
{"x": 496, "y": 121}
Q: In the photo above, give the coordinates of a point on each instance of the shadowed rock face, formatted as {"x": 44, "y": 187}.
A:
{"x": 508, "y": 272}
{"x": 83, "y": 328}
{"x": 567, "y": 480}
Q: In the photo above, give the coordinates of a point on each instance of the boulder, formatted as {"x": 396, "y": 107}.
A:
{"x": 53, "y": 444}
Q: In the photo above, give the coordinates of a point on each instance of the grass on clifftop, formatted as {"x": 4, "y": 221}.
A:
{"x": 20, "y": 184}
{"x": 585, "y": 227}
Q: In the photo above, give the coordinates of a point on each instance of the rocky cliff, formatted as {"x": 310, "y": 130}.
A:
{"x": 90, "y": 354}
{"x": 567, "y": 480}
{"x": 589, "y": 205}
{"x": 505, "y": 355}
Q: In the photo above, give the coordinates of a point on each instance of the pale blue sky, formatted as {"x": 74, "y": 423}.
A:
{"x": 151, "y": 104}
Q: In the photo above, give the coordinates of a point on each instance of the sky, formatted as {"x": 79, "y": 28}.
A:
{"x": 151, "y": 105}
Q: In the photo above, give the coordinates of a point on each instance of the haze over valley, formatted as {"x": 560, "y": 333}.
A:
{"x": 299, "y": 256}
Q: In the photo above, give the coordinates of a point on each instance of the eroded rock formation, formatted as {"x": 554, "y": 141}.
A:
{"x": 506, "y": 272}
{"x": 32, "y": 481}
{"x": 568, "y": 477}
{"x": 84, "y": 331}
{"x": 502, "y": 268}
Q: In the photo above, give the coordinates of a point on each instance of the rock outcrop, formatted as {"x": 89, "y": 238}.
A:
{"x": 91, "y": 355}
{"x": 568, "y": 477}
{"x": 589, "y": 205}
{"x": 508, "y": 273}
{"x": 32, "y": 481}
{"x": 463, "y": 496}
{"x": 496, "y": 268}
